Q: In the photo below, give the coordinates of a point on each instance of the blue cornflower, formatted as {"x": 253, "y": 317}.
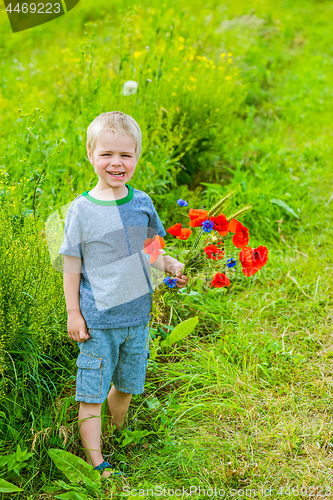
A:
{"x": 231, "y": 262}
{"x": 207, "y": 225}
{"x": 171, "y": 282}
{"x": 182, "y": 203}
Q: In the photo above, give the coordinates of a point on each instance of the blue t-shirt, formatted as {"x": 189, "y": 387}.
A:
{"x": 116, "y": 286}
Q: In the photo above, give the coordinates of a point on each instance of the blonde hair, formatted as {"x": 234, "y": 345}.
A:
{"x": 117, "y": 122}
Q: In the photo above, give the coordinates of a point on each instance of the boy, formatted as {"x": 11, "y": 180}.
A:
{"x": 107, "y": 283}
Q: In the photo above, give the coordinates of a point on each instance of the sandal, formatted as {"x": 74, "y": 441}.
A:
{"x": 106, "y": 465}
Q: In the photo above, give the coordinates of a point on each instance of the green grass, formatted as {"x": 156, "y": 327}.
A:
{"x": 245, "y": 401}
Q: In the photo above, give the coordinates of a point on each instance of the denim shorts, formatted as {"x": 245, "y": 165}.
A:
{"x": 119, "y": 355}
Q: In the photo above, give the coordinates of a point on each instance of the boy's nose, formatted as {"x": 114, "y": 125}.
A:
{"x": 116, "y": 160}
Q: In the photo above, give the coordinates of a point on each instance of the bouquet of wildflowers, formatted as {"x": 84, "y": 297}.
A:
{"x": 215, "y": 236}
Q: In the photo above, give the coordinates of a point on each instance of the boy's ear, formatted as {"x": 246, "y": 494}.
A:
{"x": 89, "y": 156}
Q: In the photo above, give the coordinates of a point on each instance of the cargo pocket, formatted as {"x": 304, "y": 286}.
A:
{"x": 89, "y": 376}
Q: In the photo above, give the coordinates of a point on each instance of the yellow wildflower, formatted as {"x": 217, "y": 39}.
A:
{"x": 137, "y": 53}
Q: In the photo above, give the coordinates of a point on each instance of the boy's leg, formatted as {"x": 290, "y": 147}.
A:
{"x": 118, "y": 403}
{"x": 129, "y": 373}
{"x": 90, "y": 431}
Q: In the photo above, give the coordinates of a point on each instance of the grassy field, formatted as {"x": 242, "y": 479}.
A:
{"x": 230, "y": 95}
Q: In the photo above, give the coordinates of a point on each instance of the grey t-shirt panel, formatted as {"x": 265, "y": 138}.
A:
{"x": 116, "y": 287}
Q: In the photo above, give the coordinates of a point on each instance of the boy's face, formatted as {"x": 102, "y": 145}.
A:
{"x": 113, "y": 155}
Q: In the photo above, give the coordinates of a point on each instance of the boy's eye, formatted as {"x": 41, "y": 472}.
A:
{"x": 108, "y": 154}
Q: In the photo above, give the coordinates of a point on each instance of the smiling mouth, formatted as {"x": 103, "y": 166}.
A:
{"x": 117, "y": 175}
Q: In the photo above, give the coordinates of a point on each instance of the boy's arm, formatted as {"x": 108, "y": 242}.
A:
{"x": 72, "y": 278}
{"x": 171, "y": 266}
{"x": 167, "y": 264}
{"x": 76, "y": 325}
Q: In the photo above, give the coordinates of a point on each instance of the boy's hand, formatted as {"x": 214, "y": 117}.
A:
{"x": 182, "y": 280}
{"x": 76, "y": 327}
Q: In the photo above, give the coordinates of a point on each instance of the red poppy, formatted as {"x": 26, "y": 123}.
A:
{"x": 220, "y": 243}
{"x": 184, "y": 233}
{"x": 153, "y": 246}
{"x": 260, "y": 256}
{"x": 241, "y": 236}
{"x": 220, "y": 280}
{"x": 175, "y": 230}
{"x": 232, "y": 225}
{"x": 220, "y": 224}
{"x": 197, "y": 216}
{"x": 213, "y": 252}
{"x": 253, "y": 259}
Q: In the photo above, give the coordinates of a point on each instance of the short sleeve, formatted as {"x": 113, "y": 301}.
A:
{"x": 72, "y": 235}
{"x": 155, "y": 222}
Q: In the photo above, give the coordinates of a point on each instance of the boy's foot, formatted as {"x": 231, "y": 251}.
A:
{"x": 106, "y": 473}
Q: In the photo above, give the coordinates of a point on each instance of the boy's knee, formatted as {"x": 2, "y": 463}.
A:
{"x": 120, "y": 394}
{"x": 93, "y": 407}
{"x": 124, "y": 395}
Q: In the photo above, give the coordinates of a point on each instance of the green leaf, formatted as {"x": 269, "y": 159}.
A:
{"x": 181, "y": 331}
{"x": 153, "y": 403}
{"x": 75, "y": 468}
{"x": 72, "y": 495}
{"x": 4, "y": 460}
{"x": 64, "y": 485}
{"x": 284, "y": 205}
{"x": 94, "y": 475}
{"x": 133, "y": 436}
{"x": 6, "y": 487}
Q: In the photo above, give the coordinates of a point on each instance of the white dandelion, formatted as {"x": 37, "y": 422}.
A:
{"x": 129, "y": 87}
